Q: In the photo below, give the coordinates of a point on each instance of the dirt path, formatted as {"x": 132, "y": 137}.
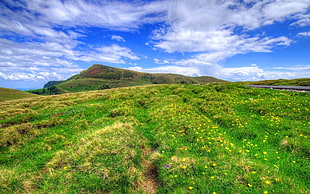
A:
{"x": 150, "y": 182}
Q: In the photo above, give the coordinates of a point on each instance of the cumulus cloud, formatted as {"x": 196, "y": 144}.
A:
{"x": 207, "y": 26}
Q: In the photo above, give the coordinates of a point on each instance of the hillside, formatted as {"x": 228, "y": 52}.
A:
{"x": 281, "y": 82}
{"x": 9, "y": 94}
{"x": 157, "y": 139}
{"x": 99, "y": 77}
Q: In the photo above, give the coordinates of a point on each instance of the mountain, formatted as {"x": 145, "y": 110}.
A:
{"x": 10, "y": 94}
{"x": 99, "y": 77}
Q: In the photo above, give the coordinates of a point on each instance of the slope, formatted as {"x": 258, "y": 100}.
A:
{"x": 9, "y": 94}
{"x": 157, "y": 139}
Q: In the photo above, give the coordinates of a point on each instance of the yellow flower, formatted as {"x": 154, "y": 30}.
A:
{"x": 254, "y": 172}
{"x": 264, "y": 152}
{"x": 184, "y": 167}
{"x": 214, "y": 164}
{"x": 276, "y": 166}
{"x": 294, "y": 162}
{"x": 212, "y": 177}
{"x": 250, "y": 185}
{"x": 265, "y": 192}
{"x": 184, "y": 159}
{"x": 190, "y": 187}
{"x": 206, "y": 166}
{"x": 214, "y": 193}
{"x": 267, "y": 182}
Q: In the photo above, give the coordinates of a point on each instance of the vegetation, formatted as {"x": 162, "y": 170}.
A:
{"x": 282, "y": 82}
{"x": 9, "y": 94}
{"x": 157, "y": 139}
{"x": 99, "y": 77}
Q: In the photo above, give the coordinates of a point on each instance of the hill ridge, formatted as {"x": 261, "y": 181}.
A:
{"x": 99, "y": 77}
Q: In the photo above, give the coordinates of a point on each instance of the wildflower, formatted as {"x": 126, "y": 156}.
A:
{"x": 247, "y": 150}
{"x": 254, "y": 172}
{"x": 250, "y": 185}
{"x": 212, "y": 177}
{"x": 167, "y": 166}
{"x": 206, "y": 166}
{"x": 294, "y": 162}
{"x": 65, "y": 167}
{"x": 265, "y": 192}
{"x": 267, "y": 182}
{"x": 276, "y": 166}
{"x": 264, "y": 152}
{"x": 214, "y": 164}
{"x": 184, "y": 159}
{"x": 184, "y": 167}
{"x": 190, "y": 187}
{"x": 214, "y": 193}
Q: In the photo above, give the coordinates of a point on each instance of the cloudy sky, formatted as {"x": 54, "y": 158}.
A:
{"x": 233, "y": 40}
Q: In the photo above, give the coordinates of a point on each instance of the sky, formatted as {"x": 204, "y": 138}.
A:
{"x": 235, "y": 40}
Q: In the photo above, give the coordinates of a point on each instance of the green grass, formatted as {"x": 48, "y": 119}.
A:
{"x": 10, "y": 94}
{"x": 157, "y": 139}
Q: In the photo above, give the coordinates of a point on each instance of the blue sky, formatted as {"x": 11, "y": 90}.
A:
{"x": 235, "y": 40}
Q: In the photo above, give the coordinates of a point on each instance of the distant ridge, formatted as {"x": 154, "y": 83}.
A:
{"x": 10, "y": 94}
{"x": 281, "y": 82}
{"x": 98, "y": 77}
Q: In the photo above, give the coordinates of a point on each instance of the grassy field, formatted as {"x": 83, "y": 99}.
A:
{"x": 9, "y": 94}
{"x": 157, "y": 139}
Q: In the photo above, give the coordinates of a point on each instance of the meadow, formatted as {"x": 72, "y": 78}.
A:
{"x": 217, "y": 138}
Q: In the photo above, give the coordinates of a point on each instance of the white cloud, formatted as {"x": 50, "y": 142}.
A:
{"x": 118, "y": 38}
{"x": 304, "y": 34}
{"x": 109, "y": 14}
{"x": 188, "y": 71}
{"x": 300, "y": 68}
{"x": 278, "y": 10}
{"x": 208, "y": 26}
{"x": 303, "y": 20}
{"x": 254, "y": 73}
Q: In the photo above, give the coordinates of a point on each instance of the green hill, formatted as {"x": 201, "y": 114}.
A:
{"x": 281, "y": 82}
{"x": 217, "y": 138}
{"x": 10, "y": 94}
{"x": 99, "y": 77}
